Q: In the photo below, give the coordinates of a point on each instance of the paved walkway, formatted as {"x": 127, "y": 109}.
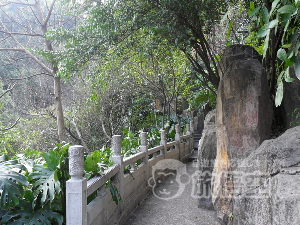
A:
{"x": 182, "y": 210}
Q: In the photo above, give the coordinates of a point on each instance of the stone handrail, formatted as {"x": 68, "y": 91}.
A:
{"x": 132, "y": 187}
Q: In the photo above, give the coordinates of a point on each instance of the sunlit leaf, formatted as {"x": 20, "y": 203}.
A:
{"x": 289, "y": 62}
{"x": 297, "y": 66}
{"x": 279, "y": 94}
{"x": 266, "y": 45}
{"x": 263, "y": 31}
{"x": 274, "y": 4}
{"x": 286, "y": 45}
{"x": 287, "y": 77}
{"x": 229, "y": 29}
{"x": 287, "y": 9}
{"x": 281, "y": 54}
{"x": 265, "y": 14}
{"x": 272, "y": 24}
{"x": 254, "y": 11}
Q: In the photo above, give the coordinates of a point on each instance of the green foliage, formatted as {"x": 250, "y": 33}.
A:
{"x": 153, "y": 137}
{"x": 28, "y": 135}
{"x": 97, "y": 162}
{"x": 296, "y": 115}
{"x": 34, "y": 189}
{"x": 202, "y": 97}
{"x": 34, "y": 193}
{"x": 127, "y": 37}
{"x": 12, "y": 183}
{"x": 279, "y": 21}
{"x": 39, "y": 216}
{"x": 45, "y": 179}
{"x": 114, "y": 192}
{"x": 130, "y": 143}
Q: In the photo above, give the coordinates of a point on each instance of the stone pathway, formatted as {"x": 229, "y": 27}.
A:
{"x": 182, "y": 210}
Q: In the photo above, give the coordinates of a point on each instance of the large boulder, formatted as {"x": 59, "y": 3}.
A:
{"x": 268, "y": 190}
{"x": 207, "y": 152}
{"x": 243, "y": 119}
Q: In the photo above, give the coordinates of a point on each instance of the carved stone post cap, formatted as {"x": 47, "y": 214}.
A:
{"x": 116, "y": 144}
{"x": 76, "y": 161}
{"x": 143, "y": 136}
{"x": 71, "y": 148}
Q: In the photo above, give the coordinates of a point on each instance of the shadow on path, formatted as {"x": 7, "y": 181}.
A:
{"x": 182, "y": 210}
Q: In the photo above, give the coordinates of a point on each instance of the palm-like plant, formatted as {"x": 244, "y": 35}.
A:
{"x": 31, "y": 191}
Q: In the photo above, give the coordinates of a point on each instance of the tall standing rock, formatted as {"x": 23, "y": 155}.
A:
{"x": 207, "y": 152}
{"x": 243, "y": 119}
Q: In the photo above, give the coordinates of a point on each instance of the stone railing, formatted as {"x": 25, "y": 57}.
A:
{"x": 132, "y": 187}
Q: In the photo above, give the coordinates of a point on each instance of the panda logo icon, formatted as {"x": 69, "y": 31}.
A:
{"x": 169, "y": 177}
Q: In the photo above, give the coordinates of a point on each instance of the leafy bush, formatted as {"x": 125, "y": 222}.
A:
{"x": 97, "y": 162}
{"x": 33, "y": 185}
{"x": 33, "y": 191}
{"x": 130, "y": 143}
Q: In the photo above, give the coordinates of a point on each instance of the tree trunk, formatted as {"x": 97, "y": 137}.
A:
{"x": 57, "y": 80}
{"x": 59, "y": 111}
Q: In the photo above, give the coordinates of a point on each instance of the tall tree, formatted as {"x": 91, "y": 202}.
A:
{"x": 23, "y": 26}
{"x": 184, "y": 24}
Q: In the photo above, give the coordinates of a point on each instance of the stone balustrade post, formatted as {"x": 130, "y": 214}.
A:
{"x": 192, "y": 135}
{"x": 163, "y": 142}
{"x": 177, "y": 138}
{"x": 76, "y": 188}
{"x": 144, "y": 148}
{"x": 188, "y": 145}
{"x": 188, "y": 130}
{"x": 178, "y": 131}
{"x": 192, "y": 126}
{"x": 117, "y": 158}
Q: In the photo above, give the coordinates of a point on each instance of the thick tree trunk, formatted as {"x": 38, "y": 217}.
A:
{"x": 59, "y": 111}
{"x": 57, "y": 80}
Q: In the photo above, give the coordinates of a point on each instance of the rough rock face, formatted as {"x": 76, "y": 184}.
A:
{"x": 207, "y": 152}
{"x": 243, "y": 119}
{"x": 291, "y": 101}
{"x": 244, "y": 106}
{"x": 268, "y": 190}
{"x": 237, "y": 52}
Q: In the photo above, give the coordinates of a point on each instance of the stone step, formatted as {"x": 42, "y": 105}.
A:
{"x": 196, "y": 140}
{"x": 194, "y": 156}
{"x": 198, "y": 136}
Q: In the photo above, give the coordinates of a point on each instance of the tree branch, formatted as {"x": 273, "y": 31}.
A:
{"x": 19, "y": 3}
{"x": 27, "y": 52}
{"x": 104, "y": 130}
{"x": 49, "y": 13}
{"x": 17, "y": 33}
{"x": 79, "y": 135}
{"x": 34, "y": 75}
{"x": 13, "y": 49}
{"x": 12, "y": 126}
{"x": 8, "y": 90}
